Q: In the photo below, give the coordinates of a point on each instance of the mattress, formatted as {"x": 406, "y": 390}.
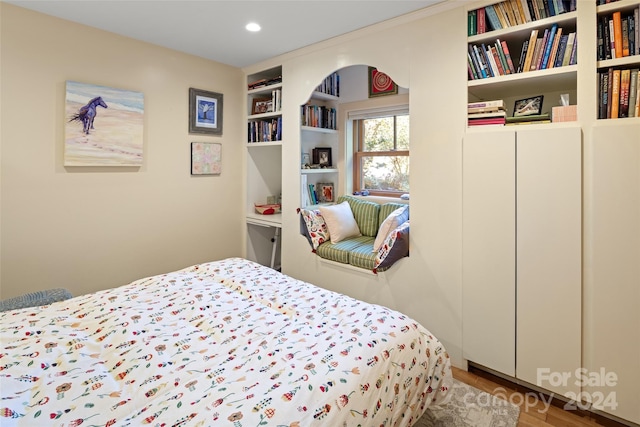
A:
{"x": 229, "y": 343}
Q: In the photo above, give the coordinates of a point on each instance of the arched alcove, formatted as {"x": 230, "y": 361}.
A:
{"x": 356, "y": 100}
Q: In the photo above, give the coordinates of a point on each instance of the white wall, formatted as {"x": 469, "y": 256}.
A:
{"x": 427, "y": 285}
{"x": 93, "y": 228}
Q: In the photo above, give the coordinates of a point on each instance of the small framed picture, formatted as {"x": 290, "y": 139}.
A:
{"x": 261, "y": 105}
{"x": 306, "y": 160}
{"x": 206, "y": 158}
{"x": 322, "y": 157}
{"x": 325, "y": 192}
{"x": 205, "y": 112}
{"x": 528, "y": 106}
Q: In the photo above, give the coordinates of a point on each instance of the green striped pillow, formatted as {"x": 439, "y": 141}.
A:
{"x": 366, "y": 214}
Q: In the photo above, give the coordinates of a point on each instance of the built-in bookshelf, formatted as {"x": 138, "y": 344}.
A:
{"x": 319, "y": 142}
{"x": 264, "y": 164}
{"x": 264, "y": 103}
{"x": 618, "y": 56}
{"x": 519, "y": 49}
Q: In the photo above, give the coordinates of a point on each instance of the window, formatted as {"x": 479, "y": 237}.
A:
{"x": 381, "y": 152}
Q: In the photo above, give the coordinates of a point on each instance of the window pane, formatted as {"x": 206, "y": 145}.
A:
{"x": 378, "y": 134}
{"x": 387, "y": 173}
{"x": 402, "y": 132}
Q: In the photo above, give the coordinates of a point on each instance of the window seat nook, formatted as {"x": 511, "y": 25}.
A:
{"x": 357, "y": 231}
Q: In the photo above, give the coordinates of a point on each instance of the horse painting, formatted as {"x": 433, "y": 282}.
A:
{"x": 87, "y": 114}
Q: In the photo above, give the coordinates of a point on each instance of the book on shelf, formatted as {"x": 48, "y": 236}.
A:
{"x": 530, "y": 50}
{"x": 533, "y": 118}
{"x": 486, "y": 121}
{"x": 625, "y": 80}
{"x": 487, "y": 114}
{"x": 633, "y": 92}
{"x": 617, "y": 34}
{"x": 615, "y": 95}
{"x": 569, "y": 51}
{"x": 485, "y": 106}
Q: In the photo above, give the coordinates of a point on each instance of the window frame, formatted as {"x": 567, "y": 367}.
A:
{"x": 359, "y": 154}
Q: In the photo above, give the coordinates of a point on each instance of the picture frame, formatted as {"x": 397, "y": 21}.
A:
{"x": 205, "y": 112}
{"x": 380, "y": 84}
{"x": 306, "y": 160}
{"x": 206, "y": 158}
{"x": 322, "y": 157}
{"x": 325, "y": 192}
{"x": 261, "y": 105}
{"x": 528, "y": 106}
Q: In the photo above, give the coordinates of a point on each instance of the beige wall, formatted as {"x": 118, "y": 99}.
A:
{"x": 92, "y": 228}
{"x": 428, "y": 285}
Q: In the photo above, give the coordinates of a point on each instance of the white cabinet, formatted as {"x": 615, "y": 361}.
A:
{"x": 488, "y": 250}
{"x": 612, "y": 281}
{"x": 522, "y": 251}
{"x": 549, "y": 256}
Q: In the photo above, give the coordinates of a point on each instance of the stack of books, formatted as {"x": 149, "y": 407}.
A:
{"x": 554, "y": 48}
{"x": 618, "y": 93}
{"x": 486, "y": 113}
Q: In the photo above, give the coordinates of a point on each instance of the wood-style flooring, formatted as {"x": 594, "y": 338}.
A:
{"x": 533, "y": 414}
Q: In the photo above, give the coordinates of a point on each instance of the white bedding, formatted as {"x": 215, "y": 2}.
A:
{"x": 228, "y": 343}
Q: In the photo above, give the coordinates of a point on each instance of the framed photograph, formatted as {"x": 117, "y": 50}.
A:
{"x": 380, "y": 84}
{"x": 322, "y": 156}
{"x": 205, "y": 112}
{"x": 325, "y": 192}
{"x": 306, "y": 160}
{"x": 206, "y": 158}
{"x": 261, "y": 105}
{"x": 528, "y": 106}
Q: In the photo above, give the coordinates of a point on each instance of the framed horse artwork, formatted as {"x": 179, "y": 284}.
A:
{"x": 103, "y": 126}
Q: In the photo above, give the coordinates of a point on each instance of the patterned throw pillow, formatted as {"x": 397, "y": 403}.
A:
{"x": 316, "y": 227}
{"x": 395, "y": 218}
{"x": 395, "y": 246}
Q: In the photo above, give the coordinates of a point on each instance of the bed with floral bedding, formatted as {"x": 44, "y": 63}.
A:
{"x": 224, "y": 343}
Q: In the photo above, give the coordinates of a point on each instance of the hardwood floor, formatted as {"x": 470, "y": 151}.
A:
{"x": 533, "y": 412}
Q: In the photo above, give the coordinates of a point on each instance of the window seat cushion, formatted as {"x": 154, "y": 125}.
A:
{"x": 341, "y": 251}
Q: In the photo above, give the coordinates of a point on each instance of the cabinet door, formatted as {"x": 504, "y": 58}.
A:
{"x": 549, "y": 257}
{"x": 488, "y": 250}
{"x": 612, "y": 280}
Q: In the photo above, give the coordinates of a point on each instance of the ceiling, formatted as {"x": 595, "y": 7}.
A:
{"x": 214, "y": 29}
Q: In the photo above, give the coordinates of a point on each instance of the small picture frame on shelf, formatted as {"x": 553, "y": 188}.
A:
{"x": 528, "y": 106}
{"x": 261, "y": 105}
{"x": 322, "y": 157}
{"x": 325, "y": 192}
{"x": 306, "y": 160}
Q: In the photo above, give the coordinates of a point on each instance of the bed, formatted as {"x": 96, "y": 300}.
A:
{"x": 228, "y": 343}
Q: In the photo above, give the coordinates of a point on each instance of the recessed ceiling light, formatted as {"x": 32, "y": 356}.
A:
{"x": 253, "y": 27}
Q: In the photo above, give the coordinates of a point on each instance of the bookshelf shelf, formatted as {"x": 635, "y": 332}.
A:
{"x": 317, "y": 129}
{"x": 264, "y": 144}
{"x": 318, "y": 171}
{"x": 264, "y": 89}
{"x": 552, "y": 80}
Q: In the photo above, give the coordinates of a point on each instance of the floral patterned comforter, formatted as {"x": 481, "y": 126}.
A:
{"x": 226, "y": 343}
